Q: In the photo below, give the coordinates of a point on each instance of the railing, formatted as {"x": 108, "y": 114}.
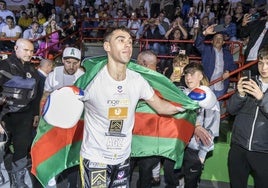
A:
{"x": 234, "y": 75}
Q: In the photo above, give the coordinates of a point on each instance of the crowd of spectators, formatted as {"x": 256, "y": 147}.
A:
{"x": 42, "y": 23}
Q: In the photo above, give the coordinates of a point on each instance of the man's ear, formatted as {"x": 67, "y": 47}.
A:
{"x": 106, "y": 46}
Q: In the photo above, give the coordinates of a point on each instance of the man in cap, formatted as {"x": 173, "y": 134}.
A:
{"x": 64, "y": 76}
{"x": 68, "y": 73}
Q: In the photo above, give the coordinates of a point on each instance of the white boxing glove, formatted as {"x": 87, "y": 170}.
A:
{"x": 63, "y": 107}
{"x": 205, "y": 97}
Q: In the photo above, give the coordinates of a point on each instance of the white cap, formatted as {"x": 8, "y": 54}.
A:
{"x": 71, "y": 52}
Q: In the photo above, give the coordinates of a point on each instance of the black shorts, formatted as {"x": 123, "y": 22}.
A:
{"x": 102, "y": 175}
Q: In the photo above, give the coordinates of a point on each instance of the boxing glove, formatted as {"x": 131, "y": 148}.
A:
{"x": 204, "y": 96}
{"x": 63, "y": 107}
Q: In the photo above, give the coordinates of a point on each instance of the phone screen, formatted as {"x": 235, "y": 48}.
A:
{"x": 246, "y": 73}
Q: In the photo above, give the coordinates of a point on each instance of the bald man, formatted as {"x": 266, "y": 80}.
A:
{"x": 149, "y": 167}
{"x": 20, "y": 124}
{"x": 147, "y": 59}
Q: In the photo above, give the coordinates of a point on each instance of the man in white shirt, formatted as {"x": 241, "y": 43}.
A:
{"x": 110, "y": 102}
{"x": 33, "y": 34}
{"x": 10, "y": 31}
{"x": 61, "y": 76}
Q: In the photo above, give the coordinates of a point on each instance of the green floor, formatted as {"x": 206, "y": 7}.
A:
{"x": 216, "y": 164}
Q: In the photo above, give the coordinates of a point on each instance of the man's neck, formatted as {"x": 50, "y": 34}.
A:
{"x": 117, "y": 71}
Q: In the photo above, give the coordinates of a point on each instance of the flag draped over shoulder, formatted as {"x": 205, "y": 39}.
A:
{"x": 55, "y": 149}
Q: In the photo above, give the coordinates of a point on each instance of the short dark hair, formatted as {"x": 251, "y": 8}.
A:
{"x": 110, "y": 31}
{"x": 263, "y": 53}
{"x": 2, "y": 1}
{"x": 10, "y": 18}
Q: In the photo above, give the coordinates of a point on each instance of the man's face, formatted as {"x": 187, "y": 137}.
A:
{"x": 24, "y": 51}
{"x": 263, "y": 69}
{"x": 71, "y": 65}
{"x": 35, "y": 27}
{"x": 119, "y": 47}
{"x": 2, "y": 6}
{"x": 218, "y": 41}
{"x": 10, "y": 23}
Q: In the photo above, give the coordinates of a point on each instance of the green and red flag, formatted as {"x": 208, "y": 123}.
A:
{"x": 55, "y": 149}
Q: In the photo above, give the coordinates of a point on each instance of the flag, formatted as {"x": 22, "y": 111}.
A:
{"x": 55, "y": 149}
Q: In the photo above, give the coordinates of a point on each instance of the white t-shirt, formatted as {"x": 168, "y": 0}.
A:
{"x": 11, "y": 32}
{"x": 58, "y": 79}
{"x": 109, "y": 116}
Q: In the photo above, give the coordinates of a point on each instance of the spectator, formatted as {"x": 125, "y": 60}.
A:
{"x": 192, "y": 21}
{"x": 41, "y": 18}
{"x": 163, "y": 20}
{"x": 200, "y": 7}
{"x": 103, "y": 25}
{"x": 89, "y": 21}
{"x": 120, "y": 19}
{"x": 248, "y": 151}
{"x": 44, "y": 8}
{"x": 2, "y": 23}
{"x": 64, "y": 76}
{"x": 33, "y": 34}
{"x": 4, "y": 12}
{"x": 175, "y": 73}
{"x": 10, "y": 31}
{"x": 209, "y": 14}
{"x": 186, "y": 4}
{"x": 168, "y": 8}
{"x": 44, "y": 68}
{"x": 207, "y": 122}
{"x": 24, "y": 21}
{"x": 258, "y": 38}
{"x": 20, "y": 124}
{"x": 237, "y": 18}
{"x": 146, "y": 58}
{"x": 216, "y": 60}
{"x": 134, "y": 24}
{"x": 55, "y": 15}
{"x": 78, "y": 5}
{"x": 177, "y": 13}
{"x": 53, "y": 34}
{"x": 152, "y": 29}
{"x": 176, "y": 32}
{"x": 155, "y": 8}
{"x": 147, "y": 7}
{"x": 142, "y": 14}
{"x": 204, "y": 23}
{"x": 70, "y": 29}
{"x": 230, "y": 28}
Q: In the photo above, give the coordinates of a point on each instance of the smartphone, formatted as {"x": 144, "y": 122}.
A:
{"x": 246, "y": 73}
{"x": 219, "y": 28}
{"x": 254, "y": 17}
{"x": 196, "y": 23}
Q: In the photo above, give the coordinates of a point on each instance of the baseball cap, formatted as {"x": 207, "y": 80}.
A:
{"x": 71, "y": 52}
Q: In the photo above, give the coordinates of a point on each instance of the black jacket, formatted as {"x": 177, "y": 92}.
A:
{"x": 253, "y": 30}
{"x": 14, "y": 66}
{"x": 250, "y": 127}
